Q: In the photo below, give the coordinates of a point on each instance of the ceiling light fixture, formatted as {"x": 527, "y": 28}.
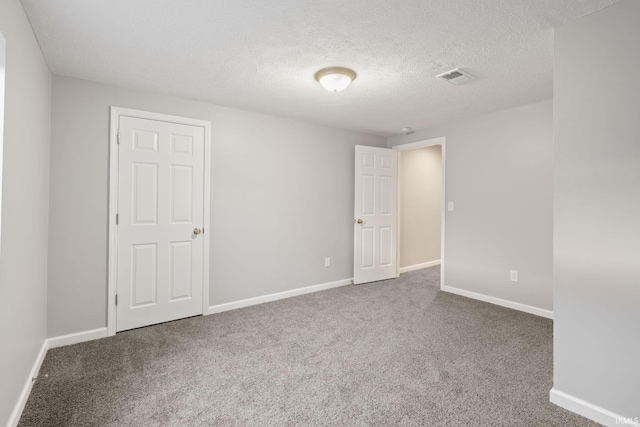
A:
{"x": 335, "y": 79}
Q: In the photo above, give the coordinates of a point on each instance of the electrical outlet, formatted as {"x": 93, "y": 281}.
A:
{"x": 327, "y": 262}
{"x": 513, "y": 275}
{"x": 450, "y": 206}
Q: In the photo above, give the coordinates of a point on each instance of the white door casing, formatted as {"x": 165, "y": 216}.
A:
{"x": 161, "y": 253}
{"x": 428, "y": 143}
{"x": 375, "y": 223}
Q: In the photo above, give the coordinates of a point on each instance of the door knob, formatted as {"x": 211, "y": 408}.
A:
{"x": 197, "y": 231}
{"x": 359, "y": 221}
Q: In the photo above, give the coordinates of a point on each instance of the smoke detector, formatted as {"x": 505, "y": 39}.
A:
{"x": 406, "y": 130}
{"x": 456, "y": 76}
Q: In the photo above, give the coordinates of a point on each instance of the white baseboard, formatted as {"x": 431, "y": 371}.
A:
{"x": 274, "y": 297}
{"x": 46, "y": 345}
{"x": 589, "y": 410}
{"x": 22, "y": 400}
{"x": 76, "y": 338}
{"x": 419, "y": 266}
{"x": 501, "y": 302}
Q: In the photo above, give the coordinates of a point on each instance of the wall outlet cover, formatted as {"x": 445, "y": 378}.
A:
{"x": 513, "y": 275}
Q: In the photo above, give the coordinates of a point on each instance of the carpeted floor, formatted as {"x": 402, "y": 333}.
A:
{"x": 398, "y": 352}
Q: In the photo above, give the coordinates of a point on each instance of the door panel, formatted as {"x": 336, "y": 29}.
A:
{"x": 181, "y": 194}
{"x": 368, "y": 247}
{"x": 144, "y": 283}
{"x": 386, "y": 204}
{"x": 180, "y": 260}
{"x": 376, "y": 214}
{"x": 368, "y": 196}
{"x": 145, "y": 193}
{"x": 160, "y": 203}
{"x": 145, "y": 140}
{"x": 386, "y": 247}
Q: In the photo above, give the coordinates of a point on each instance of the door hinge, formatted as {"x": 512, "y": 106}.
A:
{"x": 116, "y": 299}
{"x": 118, "y": 137}
{"x": 117, "y": 219}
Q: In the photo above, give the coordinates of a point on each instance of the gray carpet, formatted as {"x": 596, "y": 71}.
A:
{"x": 398, "y": 352}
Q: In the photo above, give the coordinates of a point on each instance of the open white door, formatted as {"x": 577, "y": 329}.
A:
{"x": 160, "y": 244}
{"x": 375, "y": 224}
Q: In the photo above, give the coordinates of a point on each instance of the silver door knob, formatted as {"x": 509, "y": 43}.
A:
{"x": 197, "y": 231}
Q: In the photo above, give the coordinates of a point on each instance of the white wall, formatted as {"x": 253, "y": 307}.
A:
{"x": 25, "y": 200}
{"x": 3, "y": 55}
{"x": 499, "y": 170}
{"x": 282, "y": 200}
{"x": 597, "y": 209}
{"x": 420, "y": 205}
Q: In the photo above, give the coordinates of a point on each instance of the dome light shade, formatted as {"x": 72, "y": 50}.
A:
{"x": 335, "y": 79}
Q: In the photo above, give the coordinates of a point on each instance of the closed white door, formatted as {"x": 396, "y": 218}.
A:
{"x": 160, "y": 222}
{"x": 376, "y": 189}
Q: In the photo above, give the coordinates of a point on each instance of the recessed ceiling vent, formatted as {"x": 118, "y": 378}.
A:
{"x": 456, "y": 77}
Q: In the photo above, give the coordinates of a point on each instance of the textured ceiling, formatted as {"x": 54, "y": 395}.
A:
{"x": 261, "y": 55}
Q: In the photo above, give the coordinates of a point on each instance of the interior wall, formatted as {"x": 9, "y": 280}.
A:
{"x": 499, "y": 171}
{"x": 597, "y": 209}
{"x": 281, "y": 200}
{"x": 3, "y": 54}
{"x": 420, "y": 205}
{"x": 25, "y": 200}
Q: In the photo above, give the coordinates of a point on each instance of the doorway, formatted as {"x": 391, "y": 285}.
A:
{"x": 158, "y": 219}
{"x": 421, "y": 205}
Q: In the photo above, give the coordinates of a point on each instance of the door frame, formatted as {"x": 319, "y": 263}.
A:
{"x": 420, "y": 144}
{"x": 112, "y": 263}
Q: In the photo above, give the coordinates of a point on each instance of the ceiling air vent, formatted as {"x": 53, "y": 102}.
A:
{"x": 456, "y": 76}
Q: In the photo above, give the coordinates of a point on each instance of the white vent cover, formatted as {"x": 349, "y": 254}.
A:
{"x": 456, "y": 76}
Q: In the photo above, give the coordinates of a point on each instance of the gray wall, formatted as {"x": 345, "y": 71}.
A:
{"x": 420, "y": 205}
{"x": 499, "y": 170}
{"x": 281, "y": 200}
{"x": 25, "y": 201}
{"x": 597, "y": 209}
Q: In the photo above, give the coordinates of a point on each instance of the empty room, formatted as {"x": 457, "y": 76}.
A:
{"x": 319, "y": 213}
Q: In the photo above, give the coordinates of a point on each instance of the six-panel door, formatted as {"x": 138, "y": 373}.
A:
{"x": 376, "y": 185}
{"x": 160, "y": 204}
